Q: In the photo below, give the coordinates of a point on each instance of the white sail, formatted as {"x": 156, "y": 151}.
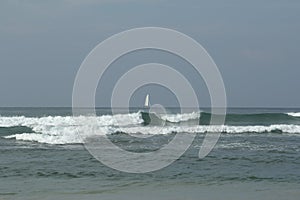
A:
{"x": 147, "y": 101}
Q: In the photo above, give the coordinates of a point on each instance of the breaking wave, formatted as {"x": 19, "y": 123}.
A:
{"x": 294, "y": 114}
{"x": 70, "y": 129}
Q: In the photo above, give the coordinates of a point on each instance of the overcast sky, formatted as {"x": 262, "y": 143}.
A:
{"x": 255, "y": 44}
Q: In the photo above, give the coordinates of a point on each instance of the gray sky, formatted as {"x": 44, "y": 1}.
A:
{"x": 255, "y": 44}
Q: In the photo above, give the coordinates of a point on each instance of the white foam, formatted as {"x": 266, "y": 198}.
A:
{"x": 181, "y": 117}
{"x": 44, "y": 138}
{"x": 293, "y": 129}
{"x": 62, "y": 135}
{"x": 69, "y": 129}
{"x": 105, "y": 120}
{"x": 294, "y": 114}
{"x": 67, "y": 135}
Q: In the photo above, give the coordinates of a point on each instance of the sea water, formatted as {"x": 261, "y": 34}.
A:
{"x": 42, "y": 155}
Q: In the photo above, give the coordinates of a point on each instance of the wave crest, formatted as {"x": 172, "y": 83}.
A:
{"x": 69, "y": 129}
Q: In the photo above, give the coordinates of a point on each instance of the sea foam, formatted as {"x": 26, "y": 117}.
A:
{"x": 70, "y": 129}
{"x": 294, "y": 114}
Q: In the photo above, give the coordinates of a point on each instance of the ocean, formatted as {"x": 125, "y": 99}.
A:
{"x": 42, "y": 156}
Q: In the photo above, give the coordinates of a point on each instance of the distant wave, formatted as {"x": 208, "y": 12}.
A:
{"x": 264, "y": 119}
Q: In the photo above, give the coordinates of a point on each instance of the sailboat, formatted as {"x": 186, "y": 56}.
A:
{"x": 150, "y": 117}
{"x": 145, "y": 112}
{"x": 146, "y": 105}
